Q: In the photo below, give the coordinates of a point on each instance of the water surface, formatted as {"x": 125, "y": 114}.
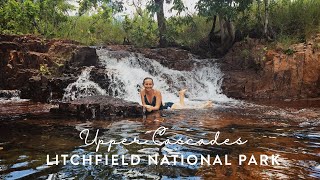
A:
{"x": 28, "y": 132}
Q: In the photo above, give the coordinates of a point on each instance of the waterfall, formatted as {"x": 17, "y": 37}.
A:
{"x": 10, "y": 95}
{"x": 83, "y": 87}
{"x": 125, "y": 72}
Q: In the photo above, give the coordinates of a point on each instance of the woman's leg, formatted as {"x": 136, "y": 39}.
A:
{"x": 181, "y": 96}
{"x": 207, "y": 104}
{"x": 181, "y": 103}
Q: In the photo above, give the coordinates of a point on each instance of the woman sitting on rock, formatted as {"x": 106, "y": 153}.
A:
{"x": 151, "y": 99}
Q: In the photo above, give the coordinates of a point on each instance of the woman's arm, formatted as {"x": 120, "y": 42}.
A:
{"x": 142, "y": 97}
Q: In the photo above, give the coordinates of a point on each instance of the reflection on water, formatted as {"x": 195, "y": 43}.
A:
{"x": 292, "y": 131}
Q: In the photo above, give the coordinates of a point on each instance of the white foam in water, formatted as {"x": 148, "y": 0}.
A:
{"x": 203, "y": 83}
{"x": 83, "y": 87}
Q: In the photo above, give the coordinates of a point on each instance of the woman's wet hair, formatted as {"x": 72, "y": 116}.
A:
{"x": 144, "y": 80}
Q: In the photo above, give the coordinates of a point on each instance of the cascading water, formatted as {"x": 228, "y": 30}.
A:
{"x": 10, "y": 95}
{"x": 83, "y": 87}
{"x": 7, "y": 94}
{"x": 127, "y": 72}
{"x": 125, "y": 77}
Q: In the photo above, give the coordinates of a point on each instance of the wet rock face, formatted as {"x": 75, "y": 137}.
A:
{"x": 22, "y": 56}
{"x": 43, "y": 89}
{"x": 252, "y": 71}
{"x": 99, "y": 107}
{"x": 99, "y": 76}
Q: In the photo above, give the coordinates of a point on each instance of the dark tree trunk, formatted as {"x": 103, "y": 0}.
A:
{"x": 161, "y": 23}
{"x": 212, "y": 33}
{"x": 229, "y": 36}
{"x": 222, "y": 40}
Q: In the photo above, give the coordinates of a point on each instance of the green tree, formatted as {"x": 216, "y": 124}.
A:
{"x": 107, "y": 5}
{"x": 141, "y": 30}
{"x": 52, "y": 16}
{"x": 17, "y": 17}
{"x": 30, "y": 16}
{"x": 224, "y": 12}
{"x": 156, "y": 6}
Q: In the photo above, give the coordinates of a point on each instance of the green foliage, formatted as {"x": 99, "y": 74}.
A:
{"x": 141, "y": 30}
{"x": 228, "y": 9}
{"x": 17, "y": 17}
{"x": 248, "y": 19}
{"x": 300, "y": 18}
{"x": 87, "y": 5}
{"x": 157, "y": 6}
{"x": 289, "y": 51}
{"x": 97, "y": 21}
{"x": 44, "y": 70}
{"x": 245, "y": 54}
{"x": 93, "y": 30}
{"x": 52, "y": 16}
{"x": 187, "y": 30}
{"x": 23, "y": 17}
{"x": 177, "y": 5}
{"x": 287, "y": 40}
{"x": 291, "y": 21}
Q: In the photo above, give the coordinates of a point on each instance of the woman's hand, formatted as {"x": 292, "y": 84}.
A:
{"x": 148, "y": 107}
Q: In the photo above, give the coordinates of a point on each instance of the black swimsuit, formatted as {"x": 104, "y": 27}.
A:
{"x": 154, "y": 102}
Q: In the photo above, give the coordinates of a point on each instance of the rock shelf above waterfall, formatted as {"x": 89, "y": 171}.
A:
{"x": 99, "y": 107}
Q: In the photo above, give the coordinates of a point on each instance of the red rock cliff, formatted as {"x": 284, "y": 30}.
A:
{"x": 253, "y": 71}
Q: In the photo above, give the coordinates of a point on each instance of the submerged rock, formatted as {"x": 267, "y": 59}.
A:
{"x": 99, "y": 107}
